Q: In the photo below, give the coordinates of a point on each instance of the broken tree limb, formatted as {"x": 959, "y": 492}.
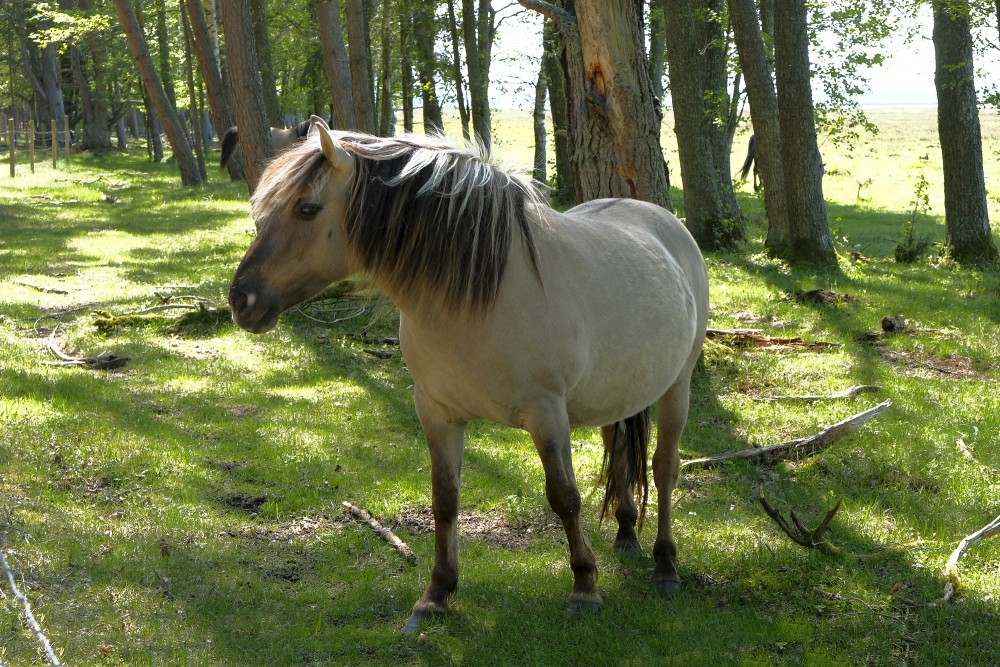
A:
{"x": 793, "y": 448}
{"x": 102, "y": 361}
{"x": 853, "y": 392}
{"x": 951, "y": 567}
{"x": 754, "y": 338}
{"x": 383, "y": 532}
{"x": 811, "y": 539}
{"x": 29, "y": 617}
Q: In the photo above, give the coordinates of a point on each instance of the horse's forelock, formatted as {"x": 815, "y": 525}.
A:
{"x": 292, "y": 171}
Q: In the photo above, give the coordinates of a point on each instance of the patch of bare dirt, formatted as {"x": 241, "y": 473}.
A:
{"x": 920, "y": 364}
{"x": 497, "y": 530}
{"x": 300, "y": 529}
{"x": 820, "y": 296}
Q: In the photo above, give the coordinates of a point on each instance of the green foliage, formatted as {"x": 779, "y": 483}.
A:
{"x": 913, "y": 248}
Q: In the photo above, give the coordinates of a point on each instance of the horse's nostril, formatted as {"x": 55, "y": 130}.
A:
{"x": 237, "y": 299}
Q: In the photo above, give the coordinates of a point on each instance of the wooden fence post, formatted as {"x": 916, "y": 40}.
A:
{"x": 55, "y": 144}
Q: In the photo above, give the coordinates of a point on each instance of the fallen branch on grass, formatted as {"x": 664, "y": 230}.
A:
{"x": 50, "y": 290}
{"x": 811, "y": 539}
{"x": 28, "y": 616}
{"x": 793, "y": 448}
{"x": 102, "y": 361}
{"x": 853, "y": 392}
{"x": 754, "y": 338}
{"x": 951, "y": 567}
{"x": 383, "y": 532}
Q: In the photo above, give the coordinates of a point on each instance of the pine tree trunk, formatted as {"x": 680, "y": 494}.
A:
{"x": 386, "y": 127}
{"x": 338, "y": 73}
{"x": 474, "y": 62}
{"x": 555, "y": 78}
{"x": 248, "y": 97}
{"x": 360, "y": 62}
{"x": 406, "y": 50}
{"x": 538, "y": 168}
{"x": 186, "y": 163}
{"x": 423, "y": 16}
{"x": 967, "y": 227}
{"x": 809, "y": 239}
{"x": 163, "y": 52}
{"x": 456, "y": 70}
{"x": 764, "y": 115}
{"x": 195, "y": 109}
{"x": 262, "y": 44}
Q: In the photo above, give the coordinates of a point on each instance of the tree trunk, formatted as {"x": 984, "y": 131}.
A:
{"x": 657, "y": 49}
{"x": 218, "y": 102}
{"x": 262, "y": 44}
{"x": 614, "y": 122}
{"x": 538, "y": 169}
{"x": 809, "y": 239}
{"x": 763, "y": 114}
{"x": 151, "y": 81}
{"x": 456, "y": 70}
{"x": 360, "y": 63}
{"x": 163, "y": 51}
{"x": 967, "y": 227}
{"x": 195, "y": 109}
{"x": 555, "y": 78}
{"x": 710, "y": 207}
{"x": 248, "y": 96}
{"x": 386, "y": 127}
{"x": 423, "y": 16}
{"x": 338, "y": 73}
{"x": 478, "y": 34}
{"x": 406, "y": 50}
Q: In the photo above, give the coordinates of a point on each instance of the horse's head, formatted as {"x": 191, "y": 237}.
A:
{"x": 299, "y": 207}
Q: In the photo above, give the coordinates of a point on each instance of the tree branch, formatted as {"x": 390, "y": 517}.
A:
{"x": 558, "y": 15}
{"x": 793, "y": 448}
{"x": 853, "y": 392}
{"x": 951, "y": 567}
{"x": 811, "y": 539}
{"x": 28, "y": 616}
{"x": 383, "y": 532}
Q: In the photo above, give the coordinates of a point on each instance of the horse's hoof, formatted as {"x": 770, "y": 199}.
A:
{"x": 667, "y": 587}
{"x": 585, "y": 604}
{"x": 628, "y": 549}
{"x": 413, "y": 622}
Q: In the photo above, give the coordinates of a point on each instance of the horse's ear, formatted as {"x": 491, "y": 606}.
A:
{"x": 316, "y": 121}
{"x": 338, "y": 158}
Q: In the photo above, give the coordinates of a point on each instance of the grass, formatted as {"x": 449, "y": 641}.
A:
{"x": 185, "y": 509}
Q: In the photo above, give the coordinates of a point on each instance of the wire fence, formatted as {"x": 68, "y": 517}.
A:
{"x": 30, "y": 141}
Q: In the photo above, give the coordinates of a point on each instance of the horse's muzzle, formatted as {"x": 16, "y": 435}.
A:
{"x": 255, "y": 309}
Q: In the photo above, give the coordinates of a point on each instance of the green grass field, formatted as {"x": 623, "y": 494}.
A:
{"x": 185, "y": 508}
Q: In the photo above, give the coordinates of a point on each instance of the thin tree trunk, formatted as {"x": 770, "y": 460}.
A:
{"x": 456, "y": 70}
{"x": 810, "y": 239}
{"x": 555, "y": 78}
{"x": 968, "y": 237}
{"x": 538, "y": 171}
{"x": 248, "y": 97}
{"x": 360, "y": 62}
{"x": 262, "y": 44}
{"x": 406, "y": 80}
{"x": 163, "y": 51}
{"x": 338, "y": 73}
{"x": 476, "y": 62}
{"x": 195, "y": 109}
{"x": 186, "y": 163}
{"x": 423, "y": 16}
{"x": 764, "y": 115}
{"x": 657, "y": 49}
{"x": 386, "y": 127}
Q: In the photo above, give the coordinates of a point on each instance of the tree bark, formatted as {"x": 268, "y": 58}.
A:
{"x": 163, "y": 52}
{"x": 248, "y": 96}
{"x": 211, "y": 73}
{"x": 423, "y": 16}
{"x": 197, "y": 129}
{"x": 456, "y": 70}
{"x": 386, "y": 127}
{"x": 763, "y": 114}
{"x": 809, "y": 240}
{"x": 186, "y": 163}
{"x": 338, "y": 73}
{"x": 968, "y": 237}
{"x": 538, "y": 169}
{"x": 555, "y": 78}
{"x": 478, "y": 31}
{"x": 360, "y": 65}
{"x": 262, "y": 44}
{"x": 710, "y": 207}
{"x": 657, "y": 49}
{"x": 406, "y": 50}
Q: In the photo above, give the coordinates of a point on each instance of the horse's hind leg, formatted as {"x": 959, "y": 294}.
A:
{"x": 626, "y": 514}
{"x": 672, "y": 409}
{"x": 550, "y": 434}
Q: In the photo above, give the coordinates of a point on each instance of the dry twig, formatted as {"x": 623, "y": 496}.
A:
{"x": 50, "y": 290}
{"x": 383, "y": 532}
{"x": 793, "y": 448}
{"x": 951, "y": 567}
{"x": 102, "y": 361}
{"x": 754, "y": 338}
{"x": 853, "y": 392}
{"x": 28, "y": 615}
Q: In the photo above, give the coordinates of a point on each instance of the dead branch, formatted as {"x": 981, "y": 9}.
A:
{"x": 754, "y": 338}
{"x": 28, "y": 616}
{"x": 951, "y": 567}
{"x": 853, "y": 392}
{"x": 811, "y": 539}
{"x": 49, "y": 290}
{"x": 383, "y": 532}
{"x": 102, "y": 361}
{"x": 793, "y": 448}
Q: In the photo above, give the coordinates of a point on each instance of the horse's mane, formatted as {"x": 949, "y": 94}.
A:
{"x": 422, "y": 212}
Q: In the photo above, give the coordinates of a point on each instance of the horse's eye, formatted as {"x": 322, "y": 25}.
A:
{"x": 309, "y": 210}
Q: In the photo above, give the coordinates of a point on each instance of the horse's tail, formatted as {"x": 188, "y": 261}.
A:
{"x": 230, "y": 141}
{"x": 751, "y": 156}
{"x": 628, "y": 448}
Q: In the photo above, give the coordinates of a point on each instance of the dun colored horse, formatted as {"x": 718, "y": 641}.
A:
{"x": 280, "y": 140}
{"x": 509, "y": 311}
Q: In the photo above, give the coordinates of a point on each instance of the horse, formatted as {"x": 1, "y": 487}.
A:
{"x": 281, "y": 138}
{"x": 753, "y": 162}
{"x": 509, "y": 311}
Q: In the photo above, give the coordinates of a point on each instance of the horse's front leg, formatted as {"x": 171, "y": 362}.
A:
{"x": 550, "y": 433}
{"x": 445, "y": 441}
